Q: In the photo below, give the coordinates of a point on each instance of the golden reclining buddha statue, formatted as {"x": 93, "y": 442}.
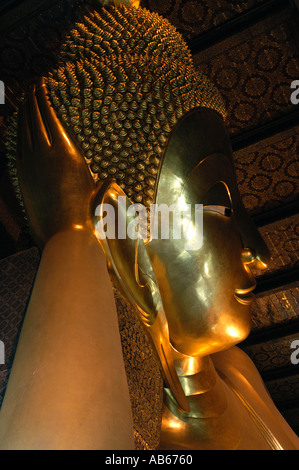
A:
{"x": 125, "y": 116}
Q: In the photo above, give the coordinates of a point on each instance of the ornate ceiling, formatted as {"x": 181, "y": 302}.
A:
{"x": 249, "y": 49}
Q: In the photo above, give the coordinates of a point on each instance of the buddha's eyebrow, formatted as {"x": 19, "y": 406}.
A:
{"x": 224, "y": 210}
{"x": 215, "y": 168}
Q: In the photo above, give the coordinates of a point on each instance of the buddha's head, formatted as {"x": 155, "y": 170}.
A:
{"x": 206, "y": 290}
{"x": 151, "y": 128}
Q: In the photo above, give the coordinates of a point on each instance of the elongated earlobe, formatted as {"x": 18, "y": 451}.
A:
{"x": 133, "y": 274}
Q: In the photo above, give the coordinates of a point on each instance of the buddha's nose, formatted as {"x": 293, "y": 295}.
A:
{"x": 255, "y": 251}
{"x": 250, "y": 257}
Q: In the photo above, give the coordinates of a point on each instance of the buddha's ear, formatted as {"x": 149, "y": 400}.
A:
{"x": 115, "y": 220}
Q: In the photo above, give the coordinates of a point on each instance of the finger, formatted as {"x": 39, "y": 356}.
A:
{"x": 50, "y": 119}
{"x": 56, "y": 131}
{"x": 40, "y": 137}
{"x": 24, "y": 139}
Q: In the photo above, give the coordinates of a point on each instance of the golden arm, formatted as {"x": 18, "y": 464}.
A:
{"x": 68, "y": 387}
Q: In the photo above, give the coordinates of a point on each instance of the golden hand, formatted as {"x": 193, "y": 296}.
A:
{"x": 55, "y": 181}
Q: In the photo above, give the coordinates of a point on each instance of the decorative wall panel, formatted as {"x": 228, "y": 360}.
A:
{"x": 272, "y": 355}
{"x": 292, "y": 418}
{"x": 253, "y": 72}
{"x": 145, "y": 384}
{"x": 273, "y": 309}
{"x": 17, "y": 274}
{"x": 287, "y": 386}
{"x": 267, "y": 172}
{"x": 28, "y": 43}
{"x": 193, "y": 17}
{"x": 282, "y": 240}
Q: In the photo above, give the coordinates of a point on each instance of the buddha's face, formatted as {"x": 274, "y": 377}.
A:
{"x": 207, "y": 291}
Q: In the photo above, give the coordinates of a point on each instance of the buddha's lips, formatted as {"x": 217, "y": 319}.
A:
{"x": 245, "y": 299}
{"x": 245, "y": 296}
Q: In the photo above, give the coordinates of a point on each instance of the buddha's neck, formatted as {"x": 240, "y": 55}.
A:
{"x": 202, "y": 386}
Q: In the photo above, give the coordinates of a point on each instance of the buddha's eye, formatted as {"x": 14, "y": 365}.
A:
{"x": 217, "y": 199}
{"x": 223, "y": 210}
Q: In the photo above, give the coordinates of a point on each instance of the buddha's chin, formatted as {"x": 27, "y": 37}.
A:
{"x": 245, "y": 299}
{"x": 220, "y": 327}
{"x": 230, "y": 335}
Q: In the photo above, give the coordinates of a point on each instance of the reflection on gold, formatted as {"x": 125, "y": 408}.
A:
{"x": 232, "y": 331}
{"x": 176, "y": 425}
{"x": 135, "y": 3}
